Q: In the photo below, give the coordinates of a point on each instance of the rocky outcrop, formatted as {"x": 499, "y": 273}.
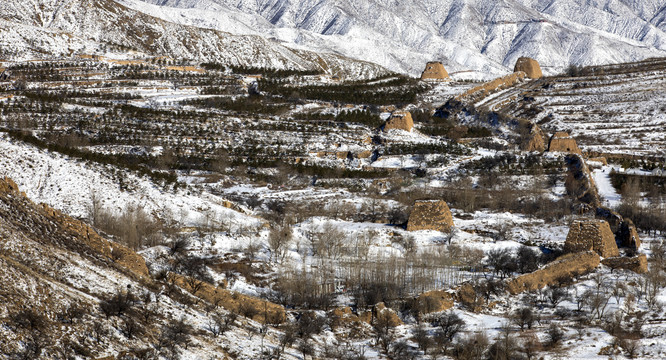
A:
{"x": 430, "y": 215}
{"x": 563, "y": 142}
{"x": 591, "y": 235}
{"x": 529, "y": 66}
{"x": 637, "y": 264}
{"x": 401, "y": 120}
{"x": 435, "y": 71}
{"x": 561, "y": 270}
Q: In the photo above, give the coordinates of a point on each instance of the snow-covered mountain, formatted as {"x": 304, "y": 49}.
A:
{"x": 43, "y": 28}
{"x": 486, "y": 36}
{"x": 471, "y": 36}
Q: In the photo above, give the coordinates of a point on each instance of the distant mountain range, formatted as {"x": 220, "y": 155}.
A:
{"x": 475, "y": 37}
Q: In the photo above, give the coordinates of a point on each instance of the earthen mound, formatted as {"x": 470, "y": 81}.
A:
{"x": 430, "y": 215}
{"x": 401, "y": 120}
{"x": 561, "y": 270}
{"x": 435, "y": 71}
{"x": 591, "y": 234}
{"x": 529, "y": 66}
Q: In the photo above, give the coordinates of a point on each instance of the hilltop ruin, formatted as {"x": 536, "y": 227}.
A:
{"x": 435, "y": 71}
{"x": 529, "y": 66}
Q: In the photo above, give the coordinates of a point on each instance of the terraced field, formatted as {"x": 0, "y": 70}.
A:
{"x": 615, "y": 109}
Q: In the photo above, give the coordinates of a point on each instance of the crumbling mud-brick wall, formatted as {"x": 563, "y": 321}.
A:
{"x": 481, "y": 91}
{"x": 528, "y": 66}
{"x": 561, "y": 270}
{"x": 637, "y": 264}
{"x": 430, "y": 215}
{"x": 591, "y": 234}
{"x": 401, "y": 120}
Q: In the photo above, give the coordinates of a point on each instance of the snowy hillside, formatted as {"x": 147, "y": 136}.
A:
{"x": 466, "y": 35}
{"x": 38, "y": 28}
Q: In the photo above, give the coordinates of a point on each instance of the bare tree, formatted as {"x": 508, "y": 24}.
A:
{"x": 279, "y": 239}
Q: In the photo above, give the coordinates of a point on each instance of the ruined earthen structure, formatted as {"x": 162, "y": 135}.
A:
{"x": 490, "y": 87}
{"x": 561, "y": 270}
{"x": 528, "y": 66}
{"x": 637, "y": 264}
{"x": 535, "y": 141}
{"x": 591, "y": 234}
{"x": 434, "y": 301}
{"x": 627, "y": 235}
{"x": 579, "y": 182}
{"x": 435, "y": 71}
{"x": 563, "y": 142}
{"x": 400, "y": 120}
{"x": 430, "y": 215}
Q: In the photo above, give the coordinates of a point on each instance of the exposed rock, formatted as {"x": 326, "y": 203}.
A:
{"x": 435, "y": 71}
{"x": 401, "y": 120}
{"x": 591, "y": 234}
{"x": 435, "y": 301}
{"x": 637, "y": 264}
{"x": 563, "y": 142}
{"x": 8, "y": 185}
{"x": 529, "y": 66}
{"x": 430, "y": 215}
{"x": 562, "y": 269}
{"x": 627, "y": 235}
{"x": 364, "y": 154}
